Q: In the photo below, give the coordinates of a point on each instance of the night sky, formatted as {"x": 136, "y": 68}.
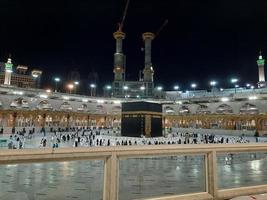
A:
{"x": 203, "y": 40}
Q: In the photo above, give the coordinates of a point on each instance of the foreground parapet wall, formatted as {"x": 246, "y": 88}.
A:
{"x": 112, "y": 156}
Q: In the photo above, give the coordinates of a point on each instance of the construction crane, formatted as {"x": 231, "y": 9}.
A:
{"x": 158, "y": 32}
{"x": 160, "y": 29}
{"x": 120, "y": 24}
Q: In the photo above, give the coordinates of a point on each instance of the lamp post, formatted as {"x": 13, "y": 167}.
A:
{"x": 107, "y": 88}
{"x": 125, "y": 88}
{"x": 193, "y": 85}
{"x": 76, "y": 83}
{"x": 142, "y": 88}
{"x": 176, "y": 88}
{"x": 92, "y": 89}
{"x": 249, "y": 86}
{"x": 57, "y": 80}
{"x": 48, "y": 91}
{"x": 159, "y": 89}
{"x": 236, "y": 86}
{"x": 234, "y": 81}
{"x": 213, "y": 84}
{"x": 70, "y": 87}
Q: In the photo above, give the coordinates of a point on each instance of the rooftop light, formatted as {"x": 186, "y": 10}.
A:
{"x": 252, "y": 98}
{"x": 43, "y": 96}
{"x": 224, "y": 99}
{"x": 100, "y": 101}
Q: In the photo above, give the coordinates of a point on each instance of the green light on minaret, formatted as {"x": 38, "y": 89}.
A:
{"x": 8, "y": 67}
{"x": 260, "y": 61}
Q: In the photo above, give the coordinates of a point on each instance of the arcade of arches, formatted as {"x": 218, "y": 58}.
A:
{"x": 219, "y": 121}
{"x": 63, "y": 119}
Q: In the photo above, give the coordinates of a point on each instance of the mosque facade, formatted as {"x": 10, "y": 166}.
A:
{"x": 19, "y": 76}
{"x": 28, "y": 108}
{"x": 230, "y": 109}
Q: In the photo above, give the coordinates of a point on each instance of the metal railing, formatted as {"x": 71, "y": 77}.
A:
{"x": 112, "y": 156}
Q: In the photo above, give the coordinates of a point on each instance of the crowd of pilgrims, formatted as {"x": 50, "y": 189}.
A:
{"x": 90, "y": 137}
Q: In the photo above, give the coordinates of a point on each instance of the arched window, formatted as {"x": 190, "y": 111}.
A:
{"x": 168, "y": 110}
{"x": 184, "y": 110}
{"x": 116, "y": 109}
{"x": 44, "y": 105}
{"x": 203, "y": 109}
{"x": 19, "y": 103}
{"x": 65, "y": 106}
{"x": 99, "y": 109}
{"x": 249, "y": 108}
{"x": 82, "y": 108}
{"x": 224, "y": 109}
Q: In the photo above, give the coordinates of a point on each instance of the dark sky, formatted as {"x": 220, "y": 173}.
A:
{"x": 203, "y": 40}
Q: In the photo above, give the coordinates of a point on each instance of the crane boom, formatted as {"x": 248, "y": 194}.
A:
{"x": 124, "y": 15}
{"x": 162, "y": 26}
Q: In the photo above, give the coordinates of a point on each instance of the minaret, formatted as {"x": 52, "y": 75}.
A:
{"x": 148, "y": 70}
{"x": 260, "y": 63}
{"x": 119, "y": 60}
{"x": 8, "y": 71}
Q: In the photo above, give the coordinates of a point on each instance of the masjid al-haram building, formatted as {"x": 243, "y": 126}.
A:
{"x": 136, "y": 140}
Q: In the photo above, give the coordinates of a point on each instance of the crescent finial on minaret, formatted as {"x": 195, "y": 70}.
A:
{"x": 9, "y": 58}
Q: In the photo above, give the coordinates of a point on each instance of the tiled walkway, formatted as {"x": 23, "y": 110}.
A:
{"x": 252, "y": 197}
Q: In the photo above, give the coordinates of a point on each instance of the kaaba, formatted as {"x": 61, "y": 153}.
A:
{"x": 141, "y": 118}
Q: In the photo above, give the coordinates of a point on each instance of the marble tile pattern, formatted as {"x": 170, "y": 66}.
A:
{"x": 160, "y": 176}
{"x": 242, "y": 169}
{"x": 46, "y": 181}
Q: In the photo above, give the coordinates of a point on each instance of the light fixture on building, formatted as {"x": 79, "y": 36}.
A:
{"x": 176, "y": 87}
{"x": 213, "y": 83}
{"x": 252, "y": 98}
{"x": 159, "y": 88}
{"x": 224, "y": 99}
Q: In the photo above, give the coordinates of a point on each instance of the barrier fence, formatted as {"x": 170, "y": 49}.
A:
{"x": 112, "y": 156}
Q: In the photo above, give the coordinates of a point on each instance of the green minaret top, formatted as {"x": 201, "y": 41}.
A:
{"x": 260, "y": 61}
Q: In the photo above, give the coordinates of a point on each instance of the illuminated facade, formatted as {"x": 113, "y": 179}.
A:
{"x": 19, "y": 76}
{"x": 27, "y": 108}
{"x": 233, "y": 109}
